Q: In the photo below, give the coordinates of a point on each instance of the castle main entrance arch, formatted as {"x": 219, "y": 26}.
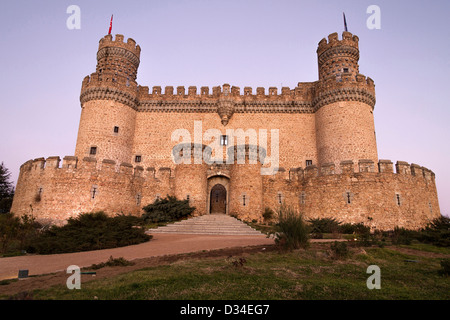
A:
{"x": 218, "y": 199}
{"x": 218, "y": 195}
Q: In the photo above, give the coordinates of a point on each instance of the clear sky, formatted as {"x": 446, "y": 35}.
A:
{"x": 256, "y": 43}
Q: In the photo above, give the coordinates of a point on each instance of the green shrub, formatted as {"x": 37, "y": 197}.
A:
{"x": 268, "y": 214}
{"x": 339, "y": 250}
{"x": 112, "y": 262}
{"x": 292, "y": 232}
{"x": 445, "y": 264}
{"x": 167, "y": 210}
{"x": 90, "y": 231}
{"x": 324, "y": 225}
{"x": 402, "y": 236}
{"x": 437, "y": 232}
{"x": 319, "y": 226}
{"x": 16, "y": 232}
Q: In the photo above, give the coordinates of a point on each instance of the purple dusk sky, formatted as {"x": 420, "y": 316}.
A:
{"x": 256, "y": 43}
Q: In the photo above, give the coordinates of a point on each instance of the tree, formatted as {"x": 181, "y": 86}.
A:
{"x": 6, "y": 189}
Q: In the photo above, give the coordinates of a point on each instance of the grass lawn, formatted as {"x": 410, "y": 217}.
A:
{"x": 273, "y": 275}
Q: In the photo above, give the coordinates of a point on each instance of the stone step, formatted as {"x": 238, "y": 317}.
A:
{"x": 219, "y": 224}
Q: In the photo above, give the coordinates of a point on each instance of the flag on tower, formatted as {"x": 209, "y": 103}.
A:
{"x": 345, "y": 22}
{"x": 110, "y": 25}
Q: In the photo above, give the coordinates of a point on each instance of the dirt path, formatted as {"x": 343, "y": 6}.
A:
{"x": 163, "y": 248}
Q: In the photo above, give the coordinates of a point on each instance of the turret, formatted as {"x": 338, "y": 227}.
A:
{"x": 338, "y": 58}
{"x": 344, "y": 103}
{"x": 109, "y": 102}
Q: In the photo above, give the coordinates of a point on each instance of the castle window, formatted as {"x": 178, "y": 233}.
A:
{"x": 94, "y": 191}
{"x": 398, "y": 199}
{"x": 345, "y": 70}
{"x": 280, "y": 198}
{"x": 93, "y": 151}
{"x": 116, "y": 129}
{"x": 303, "y": 197}
{"x": 223, "y": 140}
{"x": 138, "y": 159}
{"x": 188, "y": 198}
{"x": 348, "y": 197}
{"x": 37, "y": 198}
{"x": 138, "y": 199}
{"x": 243, "y": 200}
{"x": 308, "y": 162}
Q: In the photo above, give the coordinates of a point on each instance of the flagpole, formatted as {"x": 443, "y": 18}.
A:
{"x": 110, "y": 25}
{"x": 345, "y": 22}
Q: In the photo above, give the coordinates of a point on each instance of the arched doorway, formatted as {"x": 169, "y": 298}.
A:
{"x": 218, "y": 199}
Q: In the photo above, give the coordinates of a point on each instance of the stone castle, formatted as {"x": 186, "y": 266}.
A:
{"x": 312, "y": 147}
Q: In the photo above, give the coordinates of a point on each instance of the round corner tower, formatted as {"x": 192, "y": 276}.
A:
{"x": 109, "y": 102}
{"x": 344, "y": 103}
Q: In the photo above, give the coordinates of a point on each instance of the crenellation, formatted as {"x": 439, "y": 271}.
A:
{"x": 126, "y": 168}
{"x": 403, "y": 167}
{"x": 52, "y": 162}
{"x": 385, "y": 166}
{"x": 163, "y": 174}
{"x": 427, "y": 174}
{"x": 204, "y": 91}
{"x": 168, "y": 91}
{"x": 416, "y": 170}
{"x": 156, "y": 91}
{"x": 138, "y": 171}
{"x": 347, "y": 167}
{"x": 192, "y": 91}
{"x": 108, "y": 166}
{"x": 311, "y": 172}
{"x": 70, "y": 162}
{"x": 328, "y": 168}
{"x": 39, "y": 163}
{"x": 366, "y": 165}
{"x": 130, "y": 45}
{"x": 151, "y": 173}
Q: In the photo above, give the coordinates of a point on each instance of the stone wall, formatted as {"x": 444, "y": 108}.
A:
{"x": 363, "y": 192}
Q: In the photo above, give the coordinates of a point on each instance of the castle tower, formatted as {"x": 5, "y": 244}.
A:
{"x": 344, "y": 103}
{"x": 109, "y": 102}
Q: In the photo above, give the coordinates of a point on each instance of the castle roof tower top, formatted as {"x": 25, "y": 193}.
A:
{"x": 337, "y": 57}
{"x": 118, "y": 57}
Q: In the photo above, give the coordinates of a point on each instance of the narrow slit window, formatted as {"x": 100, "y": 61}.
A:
{"x": 397, "y": 197}
{"x": 94, "y": 192}
{"x": 223, "y": 140}
{"x": 243, "y": 200}
{"x": 138, "y": 199}
{"x": 280, "y": 198}
{"x": 349, "y": 198}
{"x": 303, "y": 198}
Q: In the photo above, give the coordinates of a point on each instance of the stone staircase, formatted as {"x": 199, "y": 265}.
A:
{"x": 213, "y": 224}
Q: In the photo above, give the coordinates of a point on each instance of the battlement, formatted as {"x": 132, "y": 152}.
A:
{"x": 130, "y": 45}
{"x": 362, "y": 168}
{"x": 90, "y": 165}
{"x": 348, "y": 40}
{"x": 233, "y": 92}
